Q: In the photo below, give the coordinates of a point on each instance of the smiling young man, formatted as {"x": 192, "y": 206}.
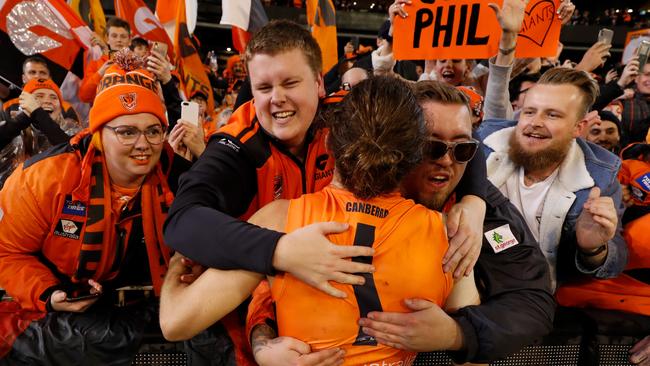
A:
{"x": 118, "y": 36}
{"x": 40, "y": 124}
{"x": 565, "y": 187}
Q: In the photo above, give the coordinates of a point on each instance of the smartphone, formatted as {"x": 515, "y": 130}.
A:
{"x": 160, "y": 47}
{"x": 605, "y": 36}
{"x": 82, "y": 293}
{"x": 190, "y": 112}
{"x": 355, "y": 43}
{"x": 642, "y": 51}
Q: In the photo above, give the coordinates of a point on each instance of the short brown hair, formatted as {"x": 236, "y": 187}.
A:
{"x": 580, "y": 79}
{"x": 281, "y": 36}
{"x": 35, "y": 60}
{"x": 376, "y": 136}
{"x": 117, "y": 23}
{"x": 437, "y": 91}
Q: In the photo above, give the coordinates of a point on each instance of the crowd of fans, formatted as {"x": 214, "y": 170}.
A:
{"x": 131, "y": 218}
{"x": 634, "y": 18}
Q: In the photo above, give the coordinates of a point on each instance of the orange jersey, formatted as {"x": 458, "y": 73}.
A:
{"x": 409, "y": 242}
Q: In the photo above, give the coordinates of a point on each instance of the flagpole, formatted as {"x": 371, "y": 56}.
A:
{"x": 11, "y": 85}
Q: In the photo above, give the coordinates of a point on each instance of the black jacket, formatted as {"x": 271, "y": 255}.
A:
{"x": 517, "y": 305}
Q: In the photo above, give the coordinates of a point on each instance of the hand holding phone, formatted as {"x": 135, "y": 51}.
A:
{"x": 190, "y": 112}
{"x": 76, "y": 299}
{"x": 605, "y": 36}
{"x": 81, "y": 294}
{"x": 160, "y": 48}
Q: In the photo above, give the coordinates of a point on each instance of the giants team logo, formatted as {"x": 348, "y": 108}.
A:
{"x": 128, "y": 101}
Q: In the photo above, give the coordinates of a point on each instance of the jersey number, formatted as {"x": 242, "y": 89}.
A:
{"x": 366, "y": 294}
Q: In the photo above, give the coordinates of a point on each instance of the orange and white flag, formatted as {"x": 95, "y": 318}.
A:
{"x": 246, "y": 17}
{"x": 49, "y": 28}
{"x": 143, "y": 22}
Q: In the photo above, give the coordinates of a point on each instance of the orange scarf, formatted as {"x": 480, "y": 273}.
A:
{"x": 98, "y": 248}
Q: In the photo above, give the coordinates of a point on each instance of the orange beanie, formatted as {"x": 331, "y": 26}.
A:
{"x": 475, "y": 100}
{"x": 36, "y": 84}
{"x": 125, "y": 89}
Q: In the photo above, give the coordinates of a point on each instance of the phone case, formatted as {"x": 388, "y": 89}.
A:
{"x": 190, "y": 112}
{"x": 605, "y": 36}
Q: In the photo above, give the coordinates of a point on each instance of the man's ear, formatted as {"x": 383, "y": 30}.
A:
{"x": 581, "y": 129}
{"x": 321, "y": 86}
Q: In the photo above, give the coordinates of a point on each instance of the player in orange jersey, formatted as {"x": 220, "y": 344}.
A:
{"x": 377, "y": 136}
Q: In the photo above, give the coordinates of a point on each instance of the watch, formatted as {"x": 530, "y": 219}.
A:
{"x": 594, "y": 252}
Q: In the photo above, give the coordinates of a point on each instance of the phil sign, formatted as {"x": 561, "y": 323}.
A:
{"x": 461, "y": 29}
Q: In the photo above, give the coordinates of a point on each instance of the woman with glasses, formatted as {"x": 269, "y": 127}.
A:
{"x": 85, "y": 218}
{"x": 377, "y": 135}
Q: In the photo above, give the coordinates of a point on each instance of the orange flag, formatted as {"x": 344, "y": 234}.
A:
{"x": 321, "y": 17}
{"x": 192, "y": 70}
{"x": 143, "y": 22}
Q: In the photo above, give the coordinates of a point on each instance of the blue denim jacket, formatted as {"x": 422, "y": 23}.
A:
{"x": 598, "y": 167}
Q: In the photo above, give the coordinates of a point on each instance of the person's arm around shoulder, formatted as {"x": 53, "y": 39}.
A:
{"x": 187, "y": 309}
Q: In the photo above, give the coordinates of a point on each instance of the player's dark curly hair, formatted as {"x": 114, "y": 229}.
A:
{"x": 376, "y": 135}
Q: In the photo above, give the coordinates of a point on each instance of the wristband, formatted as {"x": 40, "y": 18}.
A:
{"x": 595, "y": 252}
{"x": 508, "y": 51}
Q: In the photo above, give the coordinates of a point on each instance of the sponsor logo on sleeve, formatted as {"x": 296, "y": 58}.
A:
{"x": 501, "y": 238}
{"x": 224, "y": 141}
{"x": 74, "y": 208}
{"x": 644, "y": 182}
{"x": 68, "y": 229}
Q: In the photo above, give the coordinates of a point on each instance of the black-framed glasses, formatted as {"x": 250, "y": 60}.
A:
{"x": 128, "y": 135}
{"x": 461, "y": 151}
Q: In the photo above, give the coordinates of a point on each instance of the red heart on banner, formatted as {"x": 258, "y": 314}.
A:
{"x": 538, "y": 21}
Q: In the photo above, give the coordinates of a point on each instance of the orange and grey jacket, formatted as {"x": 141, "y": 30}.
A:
{"x": 44, "y": 233}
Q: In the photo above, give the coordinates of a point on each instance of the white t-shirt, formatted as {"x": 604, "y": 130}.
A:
{"x": 529, "y": 200}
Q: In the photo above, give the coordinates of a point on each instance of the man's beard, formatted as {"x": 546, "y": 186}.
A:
{"x": 436, "y": 202}
{"x": 540, "y": 160}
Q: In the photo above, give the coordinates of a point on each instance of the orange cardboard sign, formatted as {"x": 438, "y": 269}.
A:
{"x": 636, "y": 34}
{"x": 468, "y": 29}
